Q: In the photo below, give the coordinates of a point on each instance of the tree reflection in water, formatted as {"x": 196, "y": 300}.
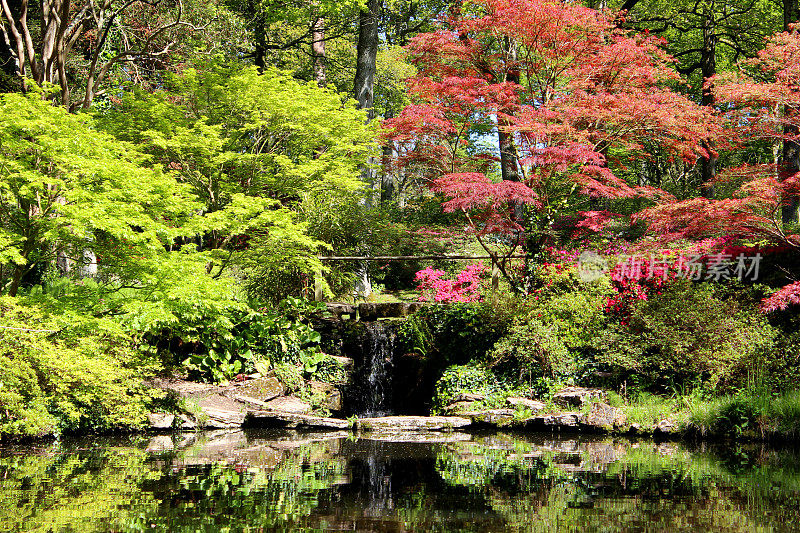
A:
{"x": 275, "y": 481}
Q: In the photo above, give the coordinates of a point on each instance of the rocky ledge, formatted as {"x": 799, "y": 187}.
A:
{"x": 262, "y": 403}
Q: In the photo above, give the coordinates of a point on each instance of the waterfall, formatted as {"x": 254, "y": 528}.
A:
{"x": 374, "y": 386}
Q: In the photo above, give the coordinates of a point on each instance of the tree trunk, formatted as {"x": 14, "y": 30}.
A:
{"x": 790, "y": 156}
{"x": 364, "y": 89}
{"x": 318, "y": 51}
{"x": 708, "y": 67}
{"x": 366, "y": 56}
{"x": 387, "y": 176}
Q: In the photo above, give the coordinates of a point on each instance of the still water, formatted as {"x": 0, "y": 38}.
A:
{"x": 287, "y": 481}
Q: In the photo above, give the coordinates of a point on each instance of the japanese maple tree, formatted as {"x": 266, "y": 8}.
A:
{"x": 761, "y": 103}
{"x": 568, "y": 95}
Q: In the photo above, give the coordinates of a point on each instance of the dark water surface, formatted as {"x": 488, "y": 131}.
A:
{"x": 286, "y": 481}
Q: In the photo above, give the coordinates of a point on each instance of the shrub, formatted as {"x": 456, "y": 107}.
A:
{"x": 688, "y": 334}
{"x": 458, "y": 379}
{"x": 553, "y": 338}
{"x": 70, "y": 373}
{"x": 455, "y": 333}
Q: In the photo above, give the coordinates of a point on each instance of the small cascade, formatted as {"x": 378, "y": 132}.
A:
{"x": 373, "y": 386}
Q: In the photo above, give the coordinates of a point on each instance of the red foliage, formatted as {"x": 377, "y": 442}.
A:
{"x": 755, "y": 111}
{"x": 564, "y": 81}
{"x": 786, "y": 297}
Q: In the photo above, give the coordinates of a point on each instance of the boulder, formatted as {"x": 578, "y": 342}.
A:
{"x": 491, "y": 417}
{"x": 558, "y": 421}
{"x": 412, "y": 423}
{"x": 160, "y": 421}
{"x": 525, "y": 403}
{"x": 345, "y": 362}
{"x": 263, "y": 389}
{"x": 220, "y": 418}
{"x": 604, "y": 417}
{"x": 469, "y": 397}
{"x": 288, "y": 404}
{"x": 270, "y": 419}
{"x": 666, "y": 428}
{"x": 333, "y": 397}
{"x": 184, "y": 422}
{"x": 578, "y": 396}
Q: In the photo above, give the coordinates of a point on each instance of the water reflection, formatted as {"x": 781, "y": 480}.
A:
{"x": 285, "y": 481}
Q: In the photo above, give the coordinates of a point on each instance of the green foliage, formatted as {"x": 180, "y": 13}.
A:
{"x": 66, "y": 373}
{"x": 689, "y": 333}
{"x": 66, "y": 188}
{"x": 458, "y": 379}
{"x": 553, "y": 333}
{"x": 455, "y": 333}
{"x": 750, "y": 414}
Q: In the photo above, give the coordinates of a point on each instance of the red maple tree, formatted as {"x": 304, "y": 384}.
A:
{"x": 759, "y": 103}
{"x": 570, "y": 96}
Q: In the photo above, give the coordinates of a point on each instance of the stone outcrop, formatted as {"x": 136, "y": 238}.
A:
{"x": 605, "y": 418}
{"x": 333, "y": 397}
{"x": 525, "y": 403}
{"x": 288, "y": 404}
{"x": 578, "y": 396}
{"x": 269, "y": 419}
{"x": 412, "y": 423}
{"x": 491, "y": 417}
{"x": 263, "y": 389}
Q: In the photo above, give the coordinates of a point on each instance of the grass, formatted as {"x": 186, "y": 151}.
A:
{"x": 648, "y": 409}
{"x": 749, "y": 414}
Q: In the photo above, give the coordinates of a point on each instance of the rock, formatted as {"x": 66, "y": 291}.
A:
{"x": 263, "y": 389}
{"x": 525, "y": 403}
{"x": 223, "y": 418}
{"x": 162, "y": 443}
{"x": 459, "y": 407}
{"x": 604, "y": 417}
{"x": 469, "y": 397}
{"x": 160, "y": 420}
{"x": 577, "y": 396}
{"x": 374, "y": 310}
{"x": 288, "y": 404}
{"x": 559, "y": 421}
{"x": 345, "y": 362}
{"x": 276, "y": 419}
{"x": 339, "y": 309}
{"x": 492, "y": 417}
{"x": 666, "y": 427}
{"x": 186, "y": 423}
{"x": 333, "y": 397}
{"x": 412, "y": 423}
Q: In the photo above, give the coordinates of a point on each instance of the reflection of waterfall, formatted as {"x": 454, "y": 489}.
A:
{"x": 379, "y": 488}
{"x": 375, "y": 375}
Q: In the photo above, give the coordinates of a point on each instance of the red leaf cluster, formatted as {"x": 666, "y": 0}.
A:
{"x": 563, "y": 81}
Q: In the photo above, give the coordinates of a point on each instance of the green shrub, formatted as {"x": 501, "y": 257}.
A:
{"x": 553, "y": 338}
{"x": 688, "y": 335}
{"x": 77, "y": 374}
{"x": 454, "y": 333}
{"x": 458, "y": 379}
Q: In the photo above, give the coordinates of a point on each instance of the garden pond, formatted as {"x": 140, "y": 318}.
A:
{"x": 281, "y": 480}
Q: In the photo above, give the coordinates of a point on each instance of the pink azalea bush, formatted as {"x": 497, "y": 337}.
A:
{"x": 465, "y": 288}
